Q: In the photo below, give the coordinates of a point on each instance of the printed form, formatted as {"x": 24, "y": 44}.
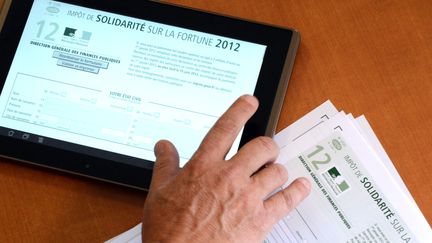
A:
{"x": 121, "y": 84}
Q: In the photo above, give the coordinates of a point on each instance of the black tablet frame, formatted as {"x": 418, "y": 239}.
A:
{"x": 270, "y": 89}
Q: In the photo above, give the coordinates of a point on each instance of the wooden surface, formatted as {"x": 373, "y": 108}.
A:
{"x": 369, "y": 57}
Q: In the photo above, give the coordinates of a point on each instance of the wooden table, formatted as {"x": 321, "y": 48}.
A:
{"x": 369, "y": 57}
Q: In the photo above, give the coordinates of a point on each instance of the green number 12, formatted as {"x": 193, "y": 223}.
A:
{"x": 54, "y": 30}
{"x": 315, "y": 163}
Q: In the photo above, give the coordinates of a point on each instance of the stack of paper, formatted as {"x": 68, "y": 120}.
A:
{"x": 357, "y": 194}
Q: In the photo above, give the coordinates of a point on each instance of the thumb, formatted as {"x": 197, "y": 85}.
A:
{"x": 167, "y": 163}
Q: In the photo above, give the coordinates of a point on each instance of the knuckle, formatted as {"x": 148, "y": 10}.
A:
{"x": 226, "y": 125}
{"x": 268, "y": 144}
{"x": 288, "y": 200}
{"x": 259, "y": 182}
{"x": 159, "y": 165}
{"x": 248, "y": 200}
{"x": 280, "y": 171}
{"x": 229, "y": 173}
{"x": 225, "y": 180}
{"x": 304, "y": 187}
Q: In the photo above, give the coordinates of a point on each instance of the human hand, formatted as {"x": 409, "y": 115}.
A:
{"x": 216, "y": 200}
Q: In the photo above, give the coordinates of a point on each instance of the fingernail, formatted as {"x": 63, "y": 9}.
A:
{"x": 251, "y": 99}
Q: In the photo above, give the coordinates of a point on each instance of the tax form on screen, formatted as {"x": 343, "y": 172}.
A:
{"x": 118, "y": 83}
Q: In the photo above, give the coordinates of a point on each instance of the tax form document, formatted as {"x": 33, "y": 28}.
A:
{"x": 354, "y": 197}
{"x": 67, "y": 82}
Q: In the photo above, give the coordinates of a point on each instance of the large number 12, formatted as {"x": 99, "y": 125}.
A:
{"x": 54, "y": 30}
{"x": 315, "y": 163}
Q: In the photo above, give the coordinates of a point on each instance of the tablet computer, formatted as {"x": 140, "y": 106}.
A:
{"x": 89, "y": 87}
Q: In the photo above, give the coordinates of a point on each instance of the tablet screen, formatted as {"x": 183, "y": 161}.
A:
{"x": 120, "y": 84}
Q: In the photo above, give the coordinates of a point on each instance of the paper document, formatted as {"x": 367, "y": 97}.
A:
{"x": 353, "y": 199}
{"x": 357, "y": 194}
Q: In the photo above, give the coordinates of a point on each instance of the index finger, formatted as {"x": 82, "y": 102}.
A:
{"x": 221, "y": 136}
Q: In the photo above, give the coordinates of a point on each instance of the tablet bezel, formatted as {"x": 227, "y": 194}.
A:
{"x": 270, "y": 89}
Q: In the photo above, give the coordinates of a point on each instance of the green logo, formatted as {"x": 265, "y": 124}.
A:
{"x": 338, "y": 179}
{"x": 69, "y": 32}
{"x": 337, "y": 144}
{"x": 53, "y": 10}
